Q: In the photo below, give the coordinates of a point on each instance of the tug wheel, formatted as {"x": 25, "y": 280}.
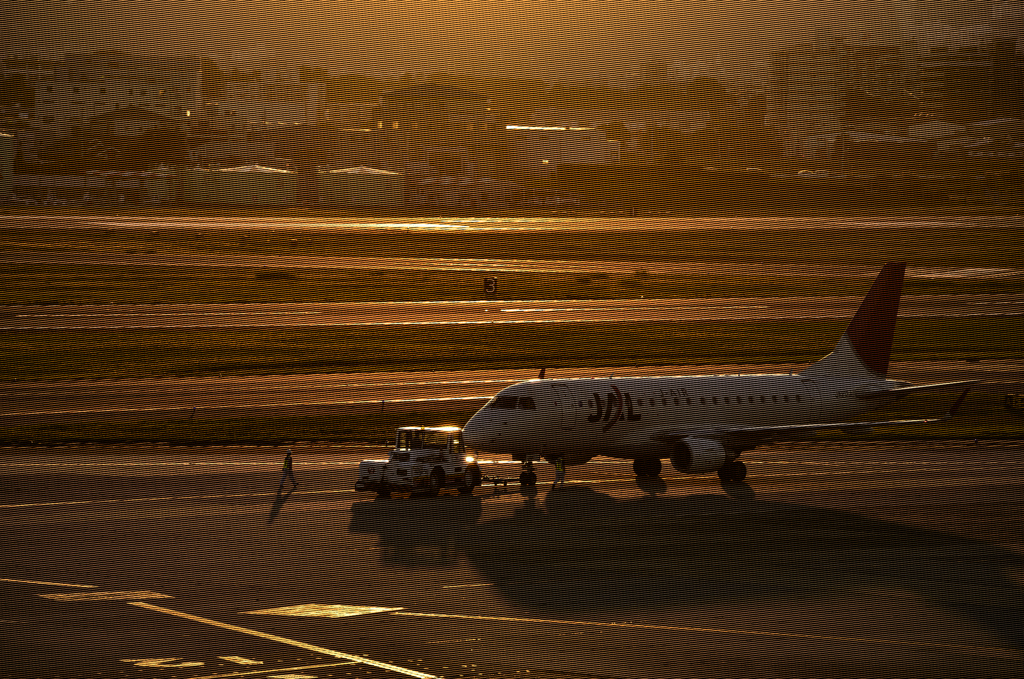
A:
{"x": 471, "y": 480}
{"x": 435, "y": 482}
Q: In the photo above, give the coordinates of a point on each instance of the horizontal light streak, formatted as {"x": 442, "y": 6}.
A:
{"x": 255, "y": 312}
{"x": 651, "y": 307}
{"x": 482, "y": 397}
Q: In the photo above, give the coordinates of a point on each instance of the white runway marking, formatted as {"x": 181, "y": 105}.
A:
{"x": 53, "y": 584}
{"x": 985, "y": 650}
{"x": 264, "y": 672}
{"x": 240, "y": 660}
{"x": 284, "y": 640}
{"x": 162, "y": 499}
{"x": 322, "y": 611}
{"x": 106, "y": 596}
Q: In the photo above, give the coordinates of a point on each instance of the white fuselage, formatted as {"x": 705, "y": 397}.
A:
{"x": 703, "y": 423}
{"x": 578, "y": 419}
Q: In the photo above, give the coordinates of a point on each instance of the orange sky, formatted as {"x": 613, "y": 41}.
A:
{"x": 511, "y": 36}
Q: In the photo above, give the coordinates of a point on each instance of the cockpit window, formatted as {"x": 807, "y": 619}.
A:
{"x": 510, "y": 402}
{"x": 503, "y": 402}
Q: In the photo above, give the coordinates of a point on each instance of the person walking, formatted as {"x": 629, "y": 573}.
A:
{"x": 286, "y": 472}
{"x": 559, "y": 472}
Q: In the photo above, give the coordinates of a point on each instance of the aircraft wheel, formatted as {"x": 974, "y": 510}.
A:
{"x": 384, "y": 490}
{"x": 435, "y": 482}
{"x": 734, "y": 471}
{"x": 527, "y": 478}
{"x": 647, "y": 467}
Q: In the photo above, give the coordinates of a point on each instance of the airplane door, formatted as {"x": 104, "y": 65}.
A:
{"x": 815, "y": 406}
{"x": 566, "y": 408}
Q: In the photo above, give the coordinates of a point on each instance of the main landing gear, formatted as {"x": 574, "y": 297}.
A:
{"x": 528, "y": 477}
{"x": 733, "y": 471}
{"x": 647, "y": 466}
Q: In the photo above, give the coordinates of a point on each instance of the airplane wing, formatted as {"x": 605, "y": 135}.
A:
{"x": 754, "y": 435}
{"x": 910, "y": 388}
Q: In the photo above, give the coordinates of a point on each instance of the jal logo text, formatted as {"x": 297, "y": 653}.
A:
{"x": 610, "y": 408}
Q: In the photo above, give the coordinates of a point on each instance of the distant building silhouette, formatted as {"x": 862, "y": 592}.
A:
{"x": 84, "y": 86}
{"x": 450, "y": 130}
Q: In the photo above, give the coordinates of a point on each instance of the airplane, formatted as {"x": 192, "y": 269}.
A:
{"x": 703, "y": 423}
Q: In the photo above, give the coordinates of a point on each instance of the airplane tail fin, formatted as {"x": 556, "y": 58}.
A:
{"x": 864, "y": 349}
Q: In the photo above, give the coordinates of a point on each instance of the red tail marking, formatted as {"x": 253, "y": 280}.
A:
{"x": 872, "y": 328}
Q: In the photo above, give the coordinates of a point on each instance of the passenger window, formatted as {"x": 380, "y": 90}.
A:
{"x": 750, "y": 399}
{"x": 785, "y": 399}
{"x": 689, "y": 402}
{"x": 702, "y": 401}
{"x": 799, "y": 398}
{"x": 775, "y": 399}
{"x": 714, "y": 400}
{"x": 762, "y": 399}
{"x": 664, "y": 402}
{"x": 526, "y": 403}
{"x": 726, "y": 400}
{"x": 676, "y": 401}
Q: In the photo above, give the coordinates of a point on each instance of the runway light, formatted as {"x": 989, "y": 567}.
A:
{"x": 470, "y": 459}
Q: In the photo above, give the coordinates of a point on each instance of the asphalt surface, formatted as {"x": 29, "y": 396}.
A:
{"x": 881, "y": 559}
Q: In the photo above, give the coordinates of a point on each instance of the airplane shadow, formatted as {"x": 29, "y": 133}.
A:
{"x": 418, "y": 532}
{"x": 574, "y": 550}
{"x": 587, "y": 551}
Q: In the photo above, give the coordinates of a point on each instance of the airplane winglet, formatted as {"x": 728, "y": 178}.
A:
{"x": 955, "y": 408}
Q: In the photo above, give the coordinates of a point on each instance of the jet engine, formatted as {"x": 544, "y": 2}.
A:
{"x": 698, "y": 456}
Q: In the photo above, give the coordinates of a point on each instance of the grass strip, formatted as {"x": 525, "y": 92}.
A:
{"x": 53, "y": 284}
{"x": 121, "y": 354}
